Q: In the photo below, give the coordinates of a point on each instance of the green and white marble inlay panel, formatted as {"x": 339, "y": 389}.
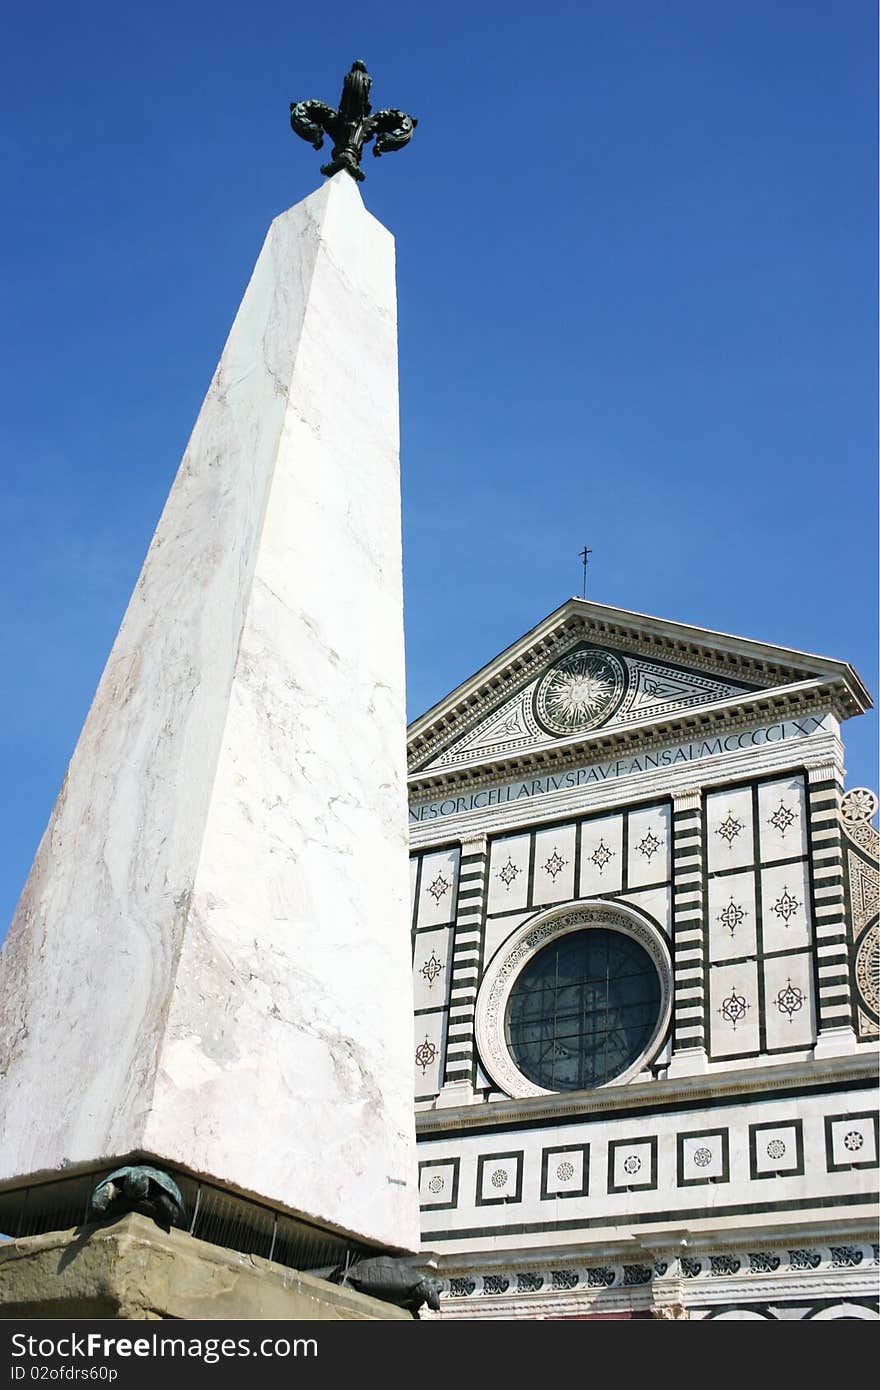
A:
{"x": 789, "y": 1016}
{"x": 732, "y": 916}
{"x": 782, "y": 818}
{"x": 438, "y": 888}
{"x": 509, "y": 874}
{"x": 431, "y": 971}
{"x": 649, "y": 840}
{"x": 601, "y": 856}
{"x": 734, "y": 1010}
{"x": 785, "y": 913}
{"x": 554, "y": 865}
{"x": 730, "y": 840}
{"x": 429, "y": 1051}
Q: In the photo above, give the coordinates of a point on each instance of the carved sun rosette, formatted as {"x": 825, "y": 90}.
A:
{"x": 857, "y": 809}
{"x": 579, "y": 691}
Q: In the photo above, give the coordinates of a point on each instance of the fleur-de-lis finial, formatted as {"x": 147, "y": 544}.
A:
{"x": 353, "y": 125}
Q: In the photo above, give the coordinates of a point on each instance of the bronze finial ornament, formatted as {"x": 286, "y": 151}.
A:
{"x": 353, "y": 125}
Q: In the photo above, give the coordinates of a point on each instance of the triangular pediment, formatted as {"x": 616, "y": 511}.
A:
{"x": 591, "y": 670}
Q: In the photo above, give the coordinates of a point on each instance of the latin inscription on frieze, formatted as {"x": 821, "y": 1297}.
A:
{"x": 628, "y": 766}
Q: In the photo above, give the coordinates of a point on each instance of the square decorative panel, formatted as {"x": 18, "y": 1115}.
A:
{"x": 734, "y": 1009}
{"x": 632, "y": 1163}
{"x": 729, "y": 834}
{"x": 554, "y": 865}
{"x": 703, "y": 1156}
{"x": 851, "y": 1141}
{"x": 782, "y": 819}
{"x": 438, "y": 1184}
{"x": 499, "y": 1178}
{"x": 601, "y": 856}
{"x": 776, "y": 1150}
{"x": 786, "y": 918}
{"x": 428, "y": 1052}
{"x": 438, "y": 888}
{"x": 432, "y": 951}
{"x": 565, "y": 1171}
{"x": 509, "y": 873}
{"x": 648, "y": 837}
{"x": 789, "y": 1015}
{"x": 732, "y": 916}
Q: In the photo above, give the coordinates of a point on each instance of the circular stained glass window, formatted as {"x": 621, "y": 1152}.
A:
{"x": 582, "y": 1010}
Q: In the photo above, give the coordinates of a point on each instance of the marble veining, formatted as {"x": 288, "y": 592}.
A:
{"x": 209, "y": 960}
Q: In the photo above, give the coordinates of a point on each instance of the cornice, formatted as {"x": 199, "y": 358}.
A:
{"x": 816, "y": 1230}
{"x": 719, "y": 654}
{"x": 692, "y": 1090}
{"x": 491, "y": 686}
{"x": 764, "y": 706}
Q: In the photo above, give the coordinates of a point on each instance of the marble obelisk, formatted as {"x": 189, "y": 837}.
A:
{"x": 209, "y": 964}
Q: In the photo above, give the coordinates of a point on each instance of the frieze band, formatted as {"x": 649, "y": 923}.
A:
{"x": 486, "y": 797}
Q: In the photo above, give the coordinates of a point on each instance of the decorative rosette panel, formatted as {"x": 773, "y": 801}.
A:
{"x": 580, "y": 691}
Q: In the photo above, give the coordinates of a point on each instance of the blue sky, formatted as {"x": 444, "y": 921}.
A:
{"x": 636, "y": 272}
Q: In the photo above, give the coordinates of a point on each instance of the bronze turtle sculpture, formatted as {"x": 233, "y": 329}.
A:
{"x": 139, "y": 1188}
{"x": 392, "y": 1279}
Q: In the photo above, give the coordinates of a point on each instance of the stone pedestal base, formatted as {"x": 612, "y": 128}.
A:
{"x": 454, "y": 1094}
{"x": 688, "y": 1061}
{"x": 835, "y": 1042}
{"x": 135, "y": 1270}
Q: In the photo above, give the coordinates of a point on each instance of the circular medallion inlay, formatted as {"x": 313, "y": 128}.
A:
{"x": 858, "y": 805}
{"x": 579, "y": 691}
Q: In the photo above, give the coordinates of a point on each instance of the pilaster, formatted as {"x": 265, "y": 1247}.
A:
{"x": 833, "y": 989}
{"x": 467, "y": 953}
{"x": 688, "y": 934}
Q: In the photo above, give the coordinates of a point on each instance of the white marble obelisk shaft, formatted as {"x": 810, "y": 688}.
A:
{"x": 210, "y": 963}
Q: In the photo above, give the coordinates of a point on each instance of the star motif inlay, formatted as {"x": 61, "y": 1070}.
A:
{"x": 732, "y": 916}
{"x": 789, "y": 1000}
{"x": 733, "y": 1008}
{"x": 426, "y": 1053}
{"x": 508, "y": 873}
{"x": 555, "y": 864}
{"x": 782, "y": 818}
{"x": 438, "y": 888}
{"x": 649, "y": 845}
{"x": 786, "y": 907}
{"x": 729, "y": 828}
{"x": 431, "y": 969}
{"x": 602, "y": 855}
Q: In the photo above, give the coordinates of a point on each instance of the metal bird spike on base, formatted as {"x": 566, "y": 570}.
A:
{"x": 353, "y": 125}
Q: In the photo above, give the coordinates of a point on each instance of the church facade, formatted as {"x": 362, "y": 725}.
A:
{"x": 645, "y": 959}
